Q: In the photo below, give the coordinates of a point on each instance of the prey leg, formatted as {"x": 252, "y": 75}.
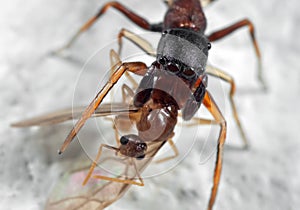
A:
{"x": 94, "y": 164}
{"x": 174, "y": 148}
{"x": 126, "y": 180}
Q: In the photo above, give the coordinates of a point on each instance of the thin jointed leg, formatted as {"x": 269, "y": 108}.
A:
{"x": 115, "y": 63}
{"x": 137, "y": 40}
{"x": 227, "y": 78}
{"x": 205, "y": 3}
{"x": 214, "y": 110}
{"x": 123, "y": 123}
{"x": 126, "y": 180}
{"x": 240, "y": 24}
{"x": 92, "y": 168}
{"x": 127, "y": 92}
{"x": 121, "y": 8}
{"x": 195, "y": 121}
{"x": 134, "y": 67}
{"x": 143, "y": 44}
{"x": 174, "y": 148}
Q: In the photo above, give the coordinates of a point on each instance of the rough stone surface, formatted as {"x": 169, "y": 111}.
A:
{"x": 33, "y": 82}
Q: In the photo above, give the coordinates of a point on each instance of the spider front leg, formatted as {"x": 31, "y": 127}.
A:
{"x": 127, "y": 92}
{"x": 139, "y": 68}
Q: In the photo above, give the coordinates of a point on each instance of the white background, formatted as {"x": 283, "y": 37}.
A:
{"x": 32, "y": 82}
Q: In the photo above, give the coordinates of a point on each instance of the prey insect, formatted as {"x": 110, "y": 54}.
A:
{"x": 174, "y": 85}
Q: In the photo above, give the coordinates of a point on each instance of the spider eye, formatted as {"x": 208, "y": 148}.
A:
{"x": 141, "y": 147}
{"x": 124, "y": 140}
{"x": 189, "y": 73}
{"x": 162, "y": 60}
{"x": 173, "y": 68}
{"x": 208, "y": 45}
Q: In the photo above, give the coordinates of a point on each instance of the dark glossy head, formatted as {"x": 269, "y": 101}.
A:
{"x": 186, "y": 46}
{"x": 132, "y": 146}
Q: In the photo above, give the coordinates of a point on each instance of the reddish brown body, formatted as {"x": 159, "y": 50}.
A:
{"x": 185, "y": 14}
{"x": 176, "y": 81}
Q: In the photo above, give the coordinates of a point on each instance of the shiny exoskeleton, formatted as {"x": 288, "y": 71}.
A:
{"x": 177, "y": 79}
{"x": 175, "y": 83}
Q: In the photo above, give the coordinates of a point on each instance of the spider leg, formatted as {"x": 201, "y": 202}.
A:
{"x": 137, "y": 40}
{"x": 135, "y": 67}
{"x": 126, "y": 90}
{"x": 212, "y": 107}
{"x": 240, "y": 24}
{"x": 215, "y": 72}
{"x": 205, "y": 3}
{"x": 138, "y": 20}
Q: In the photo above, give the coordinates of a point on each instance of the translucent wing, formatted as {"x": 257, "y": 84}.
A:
{"x": 74, "y": 113}
{"x": 69, "y": 194}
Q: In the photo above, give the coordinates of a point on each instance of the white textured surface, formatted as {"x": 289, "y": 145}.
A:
{"x": 265, "y": 177}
